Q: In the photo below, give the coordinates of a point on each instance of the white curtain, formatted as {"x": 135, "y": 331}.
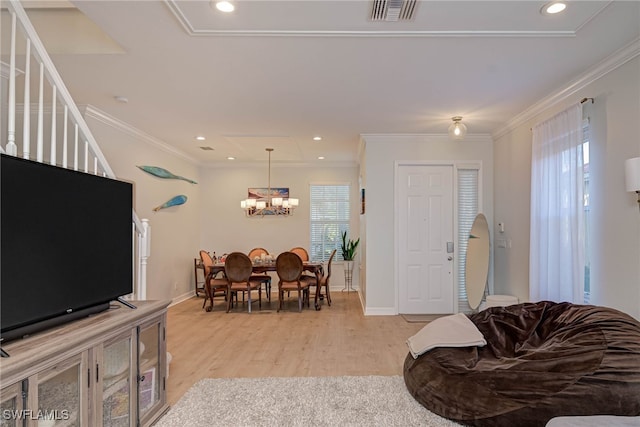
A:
{"x": 556, "y": 257}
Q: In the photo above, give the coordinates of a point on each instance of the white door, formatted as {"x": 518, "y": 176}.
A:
{"x": 426, "y": 239}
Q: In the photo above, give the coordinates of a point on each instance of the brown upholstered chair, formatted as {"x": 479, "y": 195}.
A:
{"x": 301, "y": 252}
{"x": 289, "y": 269}
{"x": 238, "y": 270}
{"x": 324, "y": 281}
{"x": 212, "y": 286}
{"x": 304, "y": 256}
{"x": 264, "y": 279}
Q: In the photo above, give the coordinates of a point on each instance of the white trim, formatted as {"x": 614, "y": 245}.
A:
{"x": 101, "y": 116}
{"x": 617, "y": 59}
{"x": 181, "y": 298}
{"x": 380, "y": 311}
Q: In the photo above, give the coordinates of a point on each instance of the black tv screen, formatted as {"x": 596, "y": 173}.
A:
{"x": 66, "y": 244}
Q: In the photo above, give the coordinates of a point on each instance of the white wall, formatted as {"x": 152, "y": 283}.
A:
{"x": 382, "y": 153}
{"x": 615, "y": 225}
{"x": 175, "y": 232}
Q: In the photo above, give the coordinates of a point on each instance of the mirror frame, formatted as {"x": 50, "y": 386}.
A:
{"x": 477, "y": 261}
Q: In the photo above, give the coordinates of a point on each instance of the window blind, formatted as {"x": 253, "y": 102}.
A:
{"x": 467, "y": 211}
{"x": 330, "y": 215}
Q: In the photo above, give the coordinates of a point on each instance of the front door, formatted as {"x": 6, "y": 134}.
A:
{"x": 425, "y": 239}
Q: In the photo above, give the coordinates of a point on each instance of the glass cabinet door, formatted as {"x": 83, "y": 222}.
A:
{"x": 61, "y": 400}
{"x": 11, "y": 406}
{"x": 151, "y": 379}
{"x": 117, "y": 384}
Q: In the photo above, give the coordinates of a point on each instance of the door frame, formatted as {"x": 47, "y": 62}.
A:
{"x": 463, "y": 164}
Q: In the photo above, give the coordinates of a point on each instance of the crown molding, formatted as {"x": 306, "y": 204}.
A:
{"x": 101, "y": 116}
{"x": 4, "y": 70}
{"x": 617, "y": 59}
{"x": 192, "y": 31}
{"x": 428, "y": 137}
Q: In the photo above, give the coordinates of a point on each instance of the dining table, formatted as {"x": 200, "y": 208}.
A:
{"x": 265, "y": 266}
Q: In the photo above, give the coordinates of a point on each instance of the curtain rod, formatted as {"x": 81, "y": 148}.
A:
{"x": 582, "y": 101}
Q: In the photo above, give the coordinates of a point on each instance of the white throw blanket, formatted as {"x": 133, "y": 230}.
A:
{"x": 449, "y": 331}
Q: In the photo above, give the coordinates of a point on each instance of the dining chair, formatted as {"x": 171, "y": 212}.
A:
{"x": 238, "y": 269}
{"x": 304, "y": 256}
{"x": 324, "y": 281}
{"x": 213, "y": 286}
{"x": 301, "y": 252}
{"x": 264, "y": 279}
{"x": 289, "y": 269}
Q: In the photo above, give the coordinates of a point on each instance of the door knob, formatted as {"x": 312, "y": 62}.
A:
{"x": 449, "y": 258}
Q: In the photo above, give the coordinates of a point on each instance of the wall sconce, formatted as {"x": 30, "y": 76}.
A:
{"x": 457, "y": 130}
{"x": 632, "y": 176}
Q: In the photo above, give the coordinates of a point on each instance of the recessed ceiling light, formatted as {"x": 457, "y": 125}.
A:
{"x": 200, "y": 138}
{"x": 320, "y": 157}
{"x": 317, "y": 138}
{"x": 231, "y": 158}
{"x": 553, "y": 8}
{"x": 225, "y": 6}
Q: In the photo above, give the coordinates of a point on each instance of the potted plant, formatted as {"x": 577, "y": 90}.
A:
{"x": 348, "y": 248}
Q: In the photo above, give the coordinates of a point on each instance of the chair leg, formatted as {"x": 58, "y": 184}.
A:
{"x": 248, "y": 298}
{"x": 230, "y": 299}
{"x": 280, "y": 296}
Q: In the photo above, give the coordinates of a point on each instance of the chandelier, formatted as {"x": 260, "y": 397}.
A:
{"x": 273, "y": 203}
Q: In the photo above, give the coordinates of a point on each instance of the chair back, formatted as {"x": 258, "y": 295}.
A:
{"x": 207, "y": 261}
{"x": 301, "y": 252}
{"x": 238, "y": 267}
{"x": 329, "y": 265}
{"x": 256, "y": 252}
{"x": 289, "y": 267}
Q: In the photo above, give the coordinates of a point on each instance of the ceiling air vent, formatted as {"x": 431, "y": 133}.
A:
{"x": 392, "y": 10}
{"x": 207, "y": 148}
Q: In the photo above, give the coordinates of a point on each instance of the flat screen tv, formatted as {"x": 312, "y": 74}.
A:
{"x": 66, "y": 245}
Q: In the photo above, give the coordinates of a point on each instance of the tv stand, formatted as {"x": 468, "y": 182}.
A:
{"x": 94, "y": 371}
{"x": 127, "y": 303}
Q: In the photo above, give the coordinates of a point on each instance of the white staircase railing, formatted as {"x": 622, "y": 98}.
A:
{"x": 68, "y": 141}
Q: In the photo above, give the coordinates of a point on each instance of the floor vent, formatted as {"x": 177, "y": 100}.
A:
{"x": 393, "y": 10}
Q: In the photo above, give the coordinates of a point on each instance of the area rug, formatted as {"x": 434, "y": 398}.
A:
{"x": 301, "y": 401}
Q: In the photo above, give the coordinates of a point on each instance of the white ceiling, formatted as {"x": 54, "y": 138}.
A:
{"x": 277, "y": 73}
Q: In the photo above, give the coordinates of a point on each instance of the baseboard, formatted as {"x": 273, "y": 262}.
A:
{"x": 380, "y": 311}
{"x": 181, "y": 298}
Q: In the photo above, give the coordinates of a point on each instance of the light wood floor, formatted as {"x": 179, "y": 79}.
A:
{"x": 337, "y": 340}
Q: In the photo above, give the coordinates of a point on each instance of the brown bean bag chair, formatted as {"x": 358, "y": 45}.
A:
{"x": 542, "y": 360}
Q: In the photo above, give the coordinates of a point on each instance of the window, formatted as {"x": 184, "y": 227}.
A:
{"x": 467, "y": 211}
{"x": 557, "y": 236}
{"x": 587, "y": 262}
{"x": 330, "y": 213}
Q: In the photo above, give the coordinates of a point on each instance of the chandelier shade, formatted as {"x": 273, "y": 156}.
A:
{"x": 269, "y": 202}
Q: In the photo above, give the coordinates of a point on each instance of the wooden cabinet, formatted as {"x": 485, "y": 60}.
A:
{"x": 105, "y": 370}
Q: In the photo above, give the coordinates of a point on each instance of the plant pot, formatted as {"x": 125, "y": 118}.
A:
{"x": 348, "y": 275}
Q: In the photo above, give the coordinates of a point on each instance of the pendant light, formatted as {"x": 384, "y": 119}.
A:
{"x": 457, "y": 130}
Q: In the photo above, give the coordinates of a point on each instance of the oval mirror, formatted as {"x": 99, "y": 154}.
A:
{"x": 477, "y": 261}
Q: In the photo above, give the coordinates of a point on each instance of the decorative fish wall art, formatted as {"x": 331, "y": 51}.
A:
{"x": 175, "y": 201}
{"x": 163, "y": 173}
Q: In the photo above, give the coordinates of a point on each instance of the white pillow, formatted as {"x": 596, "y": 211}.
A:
{"x": 448, "y": 331}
